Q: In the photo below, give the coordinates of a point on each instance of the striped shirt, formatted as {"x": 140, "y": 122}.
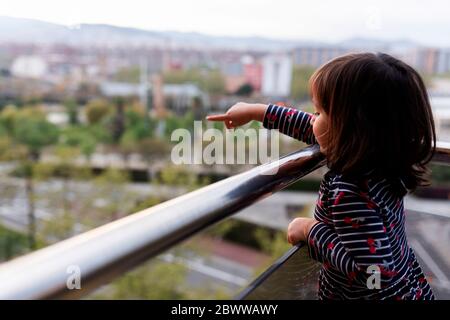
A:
{"x": 360, "y": 238}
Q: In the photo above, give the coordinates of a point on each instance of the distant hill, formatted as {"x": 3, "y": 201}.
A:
{"x": 34, "y": 31}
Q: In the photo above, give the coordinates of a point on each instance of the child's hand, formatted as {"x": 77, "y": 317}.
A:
{"x": 298, "y": 229}
{"x": 240, "y": 114}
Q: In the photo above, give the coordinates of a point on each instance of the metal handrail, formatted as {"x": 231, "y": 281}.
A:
{"x": 109, "y": 251}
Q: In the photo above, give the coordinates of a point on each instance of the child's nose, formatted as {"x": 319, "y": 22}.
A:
{"x": 313, "y": 118}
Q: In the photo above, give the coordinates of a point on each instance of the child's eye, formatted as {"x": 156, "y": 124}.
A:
{"x": 316, "y": 114}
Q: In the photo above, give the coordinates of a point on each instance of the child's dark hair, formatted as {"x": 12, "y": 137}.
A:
{"x": 379, "y": 117}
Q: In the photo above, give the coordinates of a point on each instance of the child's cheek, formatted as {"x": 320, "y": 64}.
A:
{"x": 321, "y": 140}
{"x": 317, "y": 133}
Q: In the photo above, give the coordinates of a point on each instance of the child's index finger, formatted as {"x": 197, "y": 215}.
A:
{"x": 217, "y": 117}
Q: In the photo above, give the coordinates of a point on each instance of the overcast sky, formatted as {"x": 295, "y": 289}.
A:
{"x": 425, "y": 21}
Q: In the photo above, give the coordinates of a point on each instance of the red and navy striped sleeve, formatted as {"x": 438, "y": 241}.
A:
{"x": 292, "y": 122}
{"x": 353, "y": 238}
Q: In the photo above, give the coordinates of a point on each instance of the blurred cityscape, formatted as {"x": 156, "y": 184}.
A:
{"x": 86, "y": 116}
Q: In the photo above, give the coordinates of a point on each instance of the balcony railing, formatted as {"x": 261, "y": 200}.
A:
{"x": 109, "y": 251}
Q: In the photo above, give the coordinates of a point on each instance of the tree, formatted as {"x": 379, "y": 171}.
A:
{"x": 12, "y": 243}
{"x": 128, "y": 144}
{"x": 7, "y": 118}
{"x": 119, "y": 119}
{"x": 72, "y": 111}
{"x": 79, "y": 137}
{"x": 100, "y": 133}
{"x": 245, "y": 90}
{"x": 128, "y": 74}
{"x": 29, "y": 128}
{"x": 97, "y": 110}
{"x": 213, "y": 82}
{"x": 175, "y": 122}
{"x": 34, "y": 131}
{"x": 86, "y": 91}
{"x": 152, "y": 149}
{"x": 209, "y": 80}
{"x": 137, "y": 127}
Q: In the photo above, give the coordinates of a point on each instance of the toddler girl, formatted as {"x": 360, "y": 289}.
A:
{"x": 374, "y": 124}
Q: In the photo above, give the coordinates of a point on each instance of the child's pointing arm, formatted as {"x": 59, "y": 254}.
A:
{"x": 240, "y": 114}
